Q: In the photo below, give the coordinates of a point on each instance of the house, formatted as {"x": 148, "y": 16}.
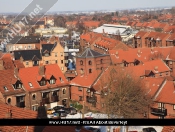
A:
{"x": 23, "y": 43}
{"x": 46, "y": 84}
{"x": 11, "y": 88}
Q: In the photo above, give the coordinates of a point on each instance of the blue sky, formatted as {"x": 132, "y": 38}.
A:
{"x": 77, "y": 5}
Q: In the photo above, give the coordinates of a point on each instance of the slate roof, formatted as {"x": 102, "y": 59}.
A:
{"x": 27, "y": 54}
{"x": 47, "y": 47}
{"x": 25, "y": 40}
{"x": 89, "y": 53}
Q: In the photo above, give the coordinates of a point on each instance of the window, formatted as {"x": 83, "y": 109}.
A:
{"x": 62, "y": 68}
{"x": 27, "y": 63}
{"x": 5, "y": 88}
{"x": 33, "y": 97}
{"x": 30, "y": 84}
{"x": 80, "y": 98}
{"x": 161, "y": 105}
{"x": 35, "y": 107}
{"x": 64, "y": 91}
{"x": 42, "y": 82}
{"x": 9, "y": 101}
{"x": 160, "y": 74}
{"x": 29, "y": 47}
{"x": 80, "y": 88}
{"x": 173, "y": 107}
{"x": 90, "y": 70}
{"x": 90, "y": 62}
{"x": 45, "y": 95}
{"x": 18, "y": 85}
{"x": 56, "y": 55}
{"x": 61, "y": 80}
{"x": 56, "y": 61}
{"x": 61, "y": 53}
{"x": 61, "y": 61}
{"x": 81, "y": 62}
{"x": 52, "y": 81}
{"x": 46, "y": 62}
{"x": 171, "y": 62}
{"x": 46, "y": 54}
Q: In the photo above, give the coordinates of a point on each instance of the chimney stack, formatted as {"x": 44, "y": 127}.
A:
{"x": 16, "y": 71}
{"x": 1, "y": 64}
{"x": 41, "y": 70}
{"x": 8, "y": 114}
{"x": 139, "y": 52}
{"x": 103, "y": 31}
{"x": 117, "y": 54}
{"x": 156, "y": 68}
{"x": 81, "y": 72}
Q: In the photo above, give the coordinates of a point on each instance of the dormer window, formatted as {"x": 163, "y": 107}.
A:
{"x": 5, "y": 88}
{"x": 52, "y": 81}
{"x": 17, "y": 85}
{"x": 46, "y": 54}
{"x": 42, "y": 82}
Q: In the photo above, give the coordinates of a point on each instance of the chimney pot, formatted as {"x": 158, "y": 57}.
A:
{"x": 156, "y": 68}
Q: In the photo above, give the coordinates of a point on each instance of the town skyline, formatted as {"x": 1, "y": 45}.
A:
{"x": 15, "y": 7}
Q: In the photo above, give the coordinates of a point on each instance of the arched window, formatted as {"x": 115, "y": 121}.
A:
{"x": 101, "y": 61}
{"x": 90, "y": 62}
{"x": 64, "y": 91}
{"x": 9, "y": 101}
{"x": 90, "y": 70}
{"x": 81, "y": 62}
{"x": 33, "y": 97}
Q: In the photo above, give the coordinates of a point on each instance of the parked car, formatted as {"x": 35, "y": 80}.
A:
{"x": 50, "y": 111}
{"x": 149, "y": 129}
{"x": 70, "y": 111}
{"x": 61, "y": 113}
{"x": 58, "y": 107}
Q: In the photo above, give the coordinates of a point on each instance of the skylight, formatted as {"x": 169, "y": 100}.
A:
{"x": 30, "y": 84}
{"x": 5, "y": 88}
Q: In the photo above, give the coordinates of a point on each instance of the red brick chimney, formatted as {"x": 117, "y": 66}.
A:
{"x": 41, "y": 70}
{"x": 8, "y": 114}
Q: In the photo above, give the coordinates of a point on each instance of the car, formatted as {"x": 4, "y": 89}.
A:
{"x": 71, "y": 111}
{"x": 60, "y": 113}
{"x": 149, "y": 129}
{"x": 50, "y": 111}
{"x": 58, "y": 107}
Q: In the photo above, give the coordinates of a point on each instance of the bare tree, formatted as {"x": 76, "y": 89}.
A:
{"x": 123, "y": 94}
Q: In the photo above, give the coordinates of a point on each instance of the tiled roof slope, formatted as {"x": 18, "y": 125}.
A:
{"x": 31, "y": 74}
{"x": 17, "y": 113}
{"x": 89, "y": 53}
{"x": 27, "y": 54}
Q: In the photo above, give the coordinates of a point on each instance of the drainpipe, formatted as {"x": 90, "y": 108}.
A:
{"x": 30, "y": 100}
{"x": 26, "y": 128}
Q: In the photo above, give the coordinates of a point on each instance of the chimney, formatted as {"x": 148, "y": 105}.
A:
{"x": 138, "y": 52}
{"x": 8, "y": 114}
{"x": 90, "y": 36}
{"x": 45, "y": 20}
{"x": 156, "y": 68}
{"x": 116, "y": 129}
{"x": 83, "y": 31}
{"x": 117, "y": 54}
{"x": 152, "y": 50}
{"x": 41, "y": 70}
{"x": 21, "y": 59}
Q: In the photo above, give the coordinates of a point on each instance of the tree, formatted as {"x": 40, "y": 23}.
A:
{"x": 59, "y": 21}
{"x": 80, "y": 27}
{"x": 124, "y": 94}
{"x": 117, "y": 13}
{"x": 107, "y": 18}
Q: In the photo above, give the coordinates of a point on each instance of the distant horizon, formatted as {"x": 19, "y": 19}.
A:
{"x": 83, "y": 6}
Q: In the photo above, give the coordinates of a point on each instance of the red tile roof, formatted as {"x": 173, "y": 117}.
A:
{"x": 85, "y": 80}
{"x": 167, "y": 94}
{"x": 31, "y": 75}
{"x": 18, "y": 113}
{"x": 7, "y": 59}
{"x": 141, "y": 34}
{"x": 7, "y": 80}
{"x": 62, "y": 129}
{"x": 168, "y": 129}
